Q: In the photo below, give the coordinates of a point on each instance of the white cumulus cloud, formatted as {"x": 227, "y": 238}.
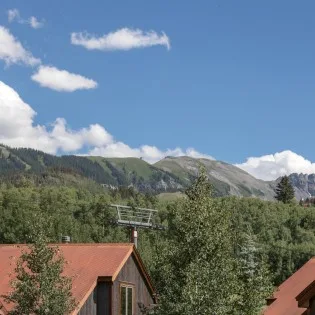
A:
{"x": 122, "y": 39}
{"x": 62, "y": 80}
{"x": 17, "y": 129}
{"x": 12, "y": 51}
{"x": 272, "y": 166}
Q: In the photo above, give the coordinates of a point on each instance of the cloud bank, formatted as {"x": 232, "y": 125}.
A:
{"x": 149, "y": 153}
{"x": 272, "y": 166}
{"x": 62, "y": 80}
{"x": 122, "y": 39}
{"x": 17, "y": 129}
{"x": 12, "y": 51}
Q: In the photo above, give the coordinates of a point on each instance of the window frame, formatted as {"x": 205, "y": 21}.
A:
{"x": 127, "y": 285}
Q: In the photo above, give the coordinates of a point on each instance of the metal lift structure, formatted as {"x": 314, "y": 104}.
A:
{"x": 136, "y": 218}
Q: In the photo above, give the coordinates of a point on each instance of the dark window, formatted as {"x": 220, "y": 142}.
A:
{"x": 95, "y": 295}
{"x": 126, "y": 300}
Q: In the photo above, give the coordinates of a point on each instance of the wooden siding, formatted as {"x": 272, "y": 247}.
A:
{"x": 98, "y": 302}
{"x": 89, "y": 307}
{"x": 131, "y": 274}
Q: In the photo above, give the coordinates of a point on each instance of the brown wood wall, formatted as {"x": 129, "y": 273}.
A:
{"x": 99, "y": 302}
{"x": 131, "y": 274}
{"x": 89, "y": 307}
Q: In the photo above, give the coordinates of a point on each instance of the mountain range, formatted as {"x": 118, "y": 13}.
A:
{"x": 170, "y": 175}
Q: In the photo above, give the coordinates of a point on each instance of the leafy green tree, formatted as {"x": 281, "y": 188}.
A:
{"x": 254, "y": 276}
{"x": 39, "y": 287}
{"x": 284, "y": 190}
{"x": 197, "y": 268}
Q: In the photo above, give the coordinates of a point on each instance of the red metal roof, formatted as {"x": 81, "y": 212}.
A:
{"x": 289, "y": 290}
{"x": 85, "y": 263}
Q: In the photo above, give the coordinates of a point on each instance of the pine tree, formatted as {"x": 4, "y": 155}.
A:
{"x": 39, "y": 287}
{"x": 284, "y": 190}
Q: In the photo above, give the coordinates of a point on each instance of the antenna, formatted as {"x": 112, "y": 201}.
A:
{"x": 134, "y": 218}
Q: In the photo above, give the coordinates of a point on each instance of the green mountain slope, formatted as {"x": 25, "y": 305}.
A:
{"x": 225, "y": 178}
{"x": 126, "y": 165}
{"x": 170, "y": 175}
{"x": 138, "y": 173}
{"x": 105, "y": 171}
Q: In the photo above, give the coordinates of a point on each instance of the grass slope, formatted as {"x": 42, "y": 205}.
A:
{"x": 126, "y": 165}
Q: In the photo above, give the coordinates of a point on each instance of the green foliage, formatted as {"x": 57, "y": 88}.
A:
{"x": 78, "y": 213}
{"x": 71, "y": 211}
{"x": 197, "y": 269}
{"x": 254, "y": 278}
{"x": 283, "y": 232}
{"x": 212, "y": 245}
{"x": 39, "y": 287}
{"x": 284, "y": 190}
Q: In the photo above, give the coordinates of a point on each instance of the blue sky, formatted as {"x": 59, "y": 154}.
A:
{"x": 238, "y": 80}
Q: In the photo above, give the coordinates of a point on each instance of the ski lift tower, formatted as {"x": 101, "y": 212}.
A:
{"x": 136, "y": 218}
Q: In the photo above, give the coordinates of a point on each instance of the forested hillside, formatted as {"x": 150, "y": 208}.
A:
{"x": 113, "y": 172}
{"x": 167, "y": 176}
{"x": 170, "y": 175}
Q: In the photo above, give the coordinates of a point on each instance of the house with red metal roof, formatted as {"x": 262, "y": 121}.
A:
{"x": 296, "y": 295}
{"x": 107, "y": 279}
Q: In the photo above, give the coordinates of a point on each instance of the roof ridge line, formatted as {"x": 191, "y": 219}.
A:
{"x": 73, "y": 244}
